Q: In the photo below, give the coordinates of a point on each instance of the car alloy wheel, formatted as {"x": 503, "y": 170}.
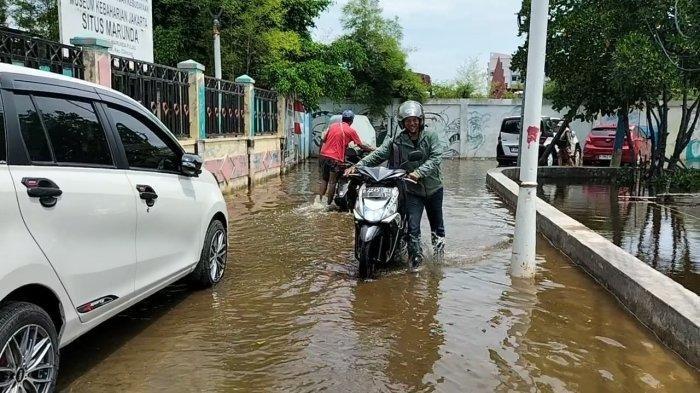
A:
{"x": 217, "y": 255}
{"x": 28, "y": 361}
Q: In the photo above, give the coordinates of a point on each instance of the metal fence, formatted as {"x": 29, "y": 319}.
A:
{"x": 224, "y": 101}
{"x": 20, "y": 48}
{"x": 264, "y": 112}
{"x": 163, "y": 90}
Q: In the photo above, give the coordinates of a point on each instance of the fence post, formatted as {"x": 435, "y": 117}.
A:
{"x": 281, "y": 116}
{"x": 248, "y": 104}
{"x": 96, "y": 60}
{"x": 198, "y": 109}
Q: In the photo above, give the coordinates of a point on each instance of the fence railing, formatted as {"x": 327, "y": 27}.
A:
{"x": 163, "y": 90}
{"x": 224, "y": 101}
{"x": 22, "y": 49}
{"x": 264, "y": 112}
{"x": 221, "y": 107}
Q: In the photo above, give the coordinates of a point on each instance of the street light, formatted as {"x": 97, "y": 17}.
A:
{"x": 217, "y": 62}
{"x": 524, "y": 242}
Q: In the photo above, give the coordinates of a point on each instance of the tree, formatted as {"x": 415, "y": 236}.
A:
{"x": 603, "y": 57}
{"x": 472, "y": 74}
{"x": 380, "y": 71}
{"x": 3, "y": 12}
{"x": 451, "y": 90}
{"x": 39, "y": 17}
{"x": 673, "y": 25}
{"x": 300, "y": 14}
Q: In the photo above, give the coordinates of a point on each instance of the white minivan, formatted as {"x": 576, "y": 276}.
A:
{"x": 100, "y": 207}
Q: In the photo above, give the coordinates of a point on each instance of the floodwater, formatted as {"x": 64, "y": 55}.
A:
{"x": 290, "y": 314}
{"x": 664, "y": 235}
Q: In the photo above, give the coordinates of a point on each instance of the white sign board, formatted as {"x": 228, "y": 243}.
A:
{"x": 126, "y": 24}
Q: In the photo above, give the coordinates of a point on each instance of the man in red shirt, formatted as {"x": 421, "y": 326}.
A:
{"x": 334, "y": 143}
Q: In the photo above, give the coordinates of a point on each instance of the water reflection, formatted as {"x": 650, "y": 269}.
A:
{"x": 665, "y": 236}
{"x": 401, "y": 326}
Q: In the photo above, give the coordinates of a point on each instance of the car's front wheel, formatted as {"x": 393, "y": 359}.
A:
{"x": 212, "y": 262}
{"x": 29, "y": 357}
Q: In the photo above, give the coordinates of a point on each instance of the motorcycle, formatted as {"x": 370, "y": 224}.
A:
{"x": 380, "y": 219}
{"x": 346, "y": 189}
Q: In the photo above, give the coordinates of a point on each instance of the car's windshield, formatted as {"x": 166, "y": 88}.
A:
{"x": 511, "y": 126}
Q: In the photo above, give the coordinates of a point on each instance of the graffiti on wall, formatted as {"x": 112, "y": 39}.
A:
{"x": 447, "y": 124}
{"x": 228, "y": 168}
{"x": 692, "y": 152}
{"x": 477, "y": 123}
{"x": 260, "y": 162}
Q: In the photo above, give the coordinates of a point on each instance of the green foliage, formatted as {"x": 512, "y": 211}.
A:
{"x": 681, "y": 180}
{"x": 39, "y": 17}
{"x": 270, "y": 41}
{"x": 610, "y": 56}
{"x": 473, "y": 74}
{"x": 380, "y": 72}
{"x": 3, "y": 12}
{"x": 300, "y": 14}
{"x": 445, "y": 90}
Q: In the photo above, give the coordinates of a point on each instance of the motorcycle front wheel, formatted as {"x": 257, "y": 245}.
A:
{"x": 367, "y": 261}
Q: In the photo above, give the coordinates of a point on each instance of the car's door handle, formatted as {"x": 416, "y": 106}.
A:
{"x": 147, "y": 193}
{"x": 44, "y": 189}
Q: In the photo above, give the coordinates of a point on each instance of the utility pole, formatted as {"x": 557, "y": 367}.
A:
{"x": 523, "y": 260}
{"x": 217, "y": 64}
{"x": 522, "y": 127}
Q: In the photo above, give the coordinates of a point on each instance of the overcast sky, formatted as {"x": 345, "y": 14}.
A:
{"x": 442, "y": 34}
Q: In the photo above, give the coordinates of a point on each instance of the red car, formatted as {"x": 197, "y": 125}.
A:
{"x": 600, "y": 142}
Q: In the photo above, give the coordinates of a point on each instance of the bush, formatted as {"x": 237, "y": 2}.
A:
{"x": 680, "y": 180}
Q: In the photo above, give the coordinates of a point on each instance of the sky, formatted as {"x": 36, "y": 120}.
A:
{"x": 441, "y": 35}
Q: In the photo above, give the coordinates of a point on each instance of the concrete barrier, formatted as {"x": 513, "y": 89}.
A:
{"x": 671, "y": 311}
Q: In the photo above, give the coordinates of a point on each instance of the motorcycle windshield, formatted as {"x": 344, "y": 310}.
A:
{"x": 381, "y": 173}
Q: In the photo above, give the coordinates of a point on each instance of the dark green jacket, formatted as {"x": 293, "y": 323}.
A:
{"x": 396, "y": 151}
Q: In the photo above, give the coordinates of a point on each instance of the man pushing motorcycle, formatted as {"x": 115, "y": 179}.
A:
{"x": 426, "y": 190}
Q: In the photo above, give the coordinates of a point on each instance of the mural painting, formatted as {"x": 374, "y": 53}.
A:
{"x": 260, "y": 162}
{"x": 228, "y": 168}
{"x": 445, "y": 121}
{"x": 692, "y": 152}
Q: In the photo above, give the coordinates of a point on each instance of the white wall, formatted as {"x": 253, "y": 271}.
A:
{"x": 469, "y": 128}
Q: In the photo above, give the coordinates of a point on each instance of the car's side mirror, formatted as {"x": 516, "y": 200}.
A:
{"x": 191, "y": 165}
{"x": 416, "y": 156}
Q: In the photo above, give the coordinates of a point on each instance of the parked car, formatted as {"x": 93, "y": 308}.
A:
{"x": 100, "y": 207}
{"x": 599, "y": 146}
{"x": 509, "y": 141}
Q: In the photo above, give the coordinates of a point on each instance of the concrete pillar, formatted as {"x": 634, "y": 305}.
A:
{"x": 198, "y": 108}
{"x": 96, "y": 60}
{"x": 281, "y": 116}
{"x": 248, "y": 102}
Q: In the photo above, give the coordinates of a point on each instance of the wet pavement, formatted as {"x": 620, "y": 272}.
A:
{"x": 664, "y": 235}
{"x": 290, "y": 314}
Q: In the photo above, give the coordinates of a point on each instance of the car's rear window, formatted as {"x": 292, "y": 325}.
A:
{"x": 511, "y": 126}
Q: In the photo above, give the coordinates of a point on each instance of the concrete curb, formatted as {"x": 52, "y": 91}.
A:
{"x": 671, "y": 311}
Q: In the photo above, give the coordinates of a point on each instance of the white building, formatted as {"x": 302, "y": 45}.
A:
{"x": 510, "y": 76}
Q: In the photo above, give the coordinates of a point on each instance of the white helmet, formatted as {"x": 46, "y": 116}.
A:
{"x": 411, "y": 109}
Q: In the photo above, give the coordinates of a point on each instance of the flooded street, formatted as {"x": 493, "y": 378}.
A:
{"x": 665, "y": 236}
{"x": 290, "y": 314}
